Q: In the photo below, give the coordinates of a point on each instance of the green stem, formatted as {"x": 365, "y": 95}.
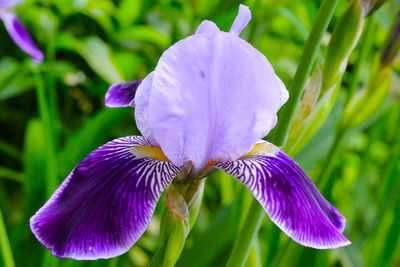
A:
{"x": 365, "y": 48}
{"x": 51, "y": 85}
{"x": 246, "y": 236}
{"x": 5, "y": 247}
{"x": 183, "y": 203}
{"x": 51, "y": 167}
{"x": 256, "y": 212}
{"x": 303, "y": 71}
{"x": 51, "y": 171}
{"x": 324, "y": 177}
{"x": 327, "y": 167}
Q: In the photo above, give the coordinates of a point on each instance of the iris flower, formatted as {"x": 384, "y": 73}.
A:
{"x": 17, "y": 30}
{"x": 207, "y": 105}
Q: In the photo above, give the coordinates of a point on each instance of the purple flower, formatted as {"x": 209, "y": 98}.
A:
{"x": 206, "y": 106}
{"x": 17, "y": 30}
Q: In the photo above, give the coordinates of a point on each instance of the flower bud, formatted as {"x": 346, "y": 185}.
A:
{"x": 366, "y": 103}
{"x": 344, "y": 39}
{"x": 183, "y": 203}
{"x": 391, "y": 47}
{"x": 370, "y": 6}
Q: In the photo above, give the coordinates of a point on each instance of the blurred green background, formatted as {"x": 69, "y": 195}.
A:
{"x": 89, "y": 45}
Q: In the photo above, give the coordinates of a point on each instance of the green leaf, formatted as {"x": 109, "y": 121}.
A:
{"x": 35, "y": 164}
{"x": 288, "y": 14}
{"x": 366, "y": 103}
{"x": 8, "y": 67}
{"x": 144, "y": 33}
{"x": 96, "y": 53}
{"x": 12, "y": 175}
{"x": 100, "y": 58}
{"x": 350, "y": 256}
{"x": 15, "y": 78}
{"x": 129, "y": 11}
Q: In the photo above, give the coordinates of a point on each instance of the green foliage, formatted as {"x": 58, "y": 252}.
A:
{"x": 91, "y": 44}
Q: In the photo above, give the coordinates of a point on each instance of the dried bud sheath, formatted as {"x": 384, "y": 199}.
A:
{"x": 392, "y": 45}
{"x": 370, "y": 6}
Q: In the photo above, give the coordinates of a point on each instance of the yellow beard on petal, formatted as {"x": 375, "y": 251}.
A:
{"x": 263, "y": 149}
{"x": 153, "y": 152}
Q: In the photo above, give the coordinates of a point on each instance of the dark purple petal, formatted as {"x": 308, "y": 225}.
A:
{"x": 105, "y": 204}
{"x": 21, "y": 36}
{"x": 122, "y": 94}
{"x": 290, "y": 199}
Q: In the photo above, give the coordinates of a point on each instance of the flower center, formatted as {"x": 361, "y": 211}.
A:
{"x": 264, "y": 149}
{"x": 153, "y": 152}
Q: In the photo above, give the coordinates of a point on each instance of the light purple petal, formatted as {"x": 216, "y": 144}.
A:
{"x": 208, "y": 28}
{"x": 121, "y": 95}
{"x": 141, "y": 109}
{"x": 105, "y": 204}
{"x": 8, "y": 3}
{"x": 290, "y": 199}
{"x": 241, "y": 20}
{"x": 212, "y": 98}
{"x": 21, "y": 36}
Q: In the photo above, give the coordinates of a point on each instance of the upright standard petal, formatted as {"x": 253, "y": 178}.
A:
{"x": 21, "y": 36}
{"x": 212, "y": 98}
{"x": 289, "y": 197}
{"x": 122, "y": 94}
{"x": 241, "y": 20}
{"x": 8, "y": 3}
{"x": 141, "y": 109}
{"x": 208, "y": 28}
{"x": 105, "y": 204}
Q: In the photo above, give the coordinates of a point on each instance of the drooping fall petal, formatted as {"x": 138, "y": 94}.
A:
{"x": 21, "y": 36}
{"x": 289, "y": 197}
{"x": 105, "y": 204}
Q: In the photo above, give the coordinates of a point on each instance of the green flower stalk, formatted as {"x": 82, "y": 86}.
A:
{"x": 366, "y": 103}
{"x": 255, "y": 214}
{"x": 343, "y": 41}
{"x": 182, "y": 203}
